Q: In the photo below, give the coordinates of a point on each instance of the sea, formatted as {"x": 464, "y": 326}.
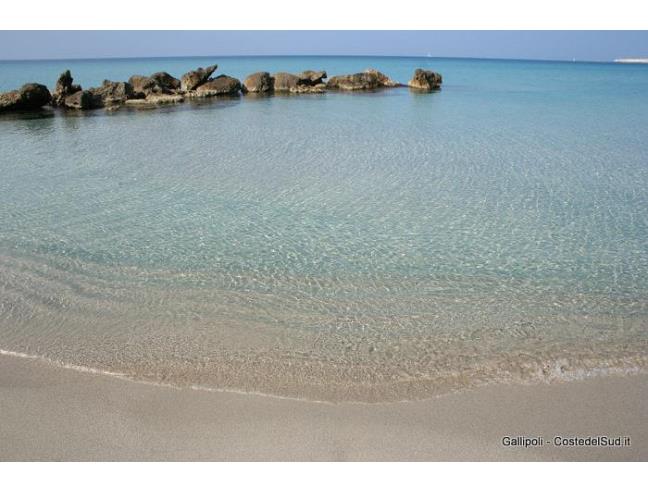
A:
{"x": 368, "y": 246}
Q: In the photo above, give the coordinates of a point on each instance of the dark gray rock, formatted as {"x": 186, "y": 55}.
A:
{"x": 191, "y": 80}
{"x": 222, "y": 85}
{"x": 64, "y": 88}
{"x": 158, "y": 83}
{"x": 167, "y": 82}
{"x": 111, "y": 93}
{"x": 29, "y": 97}
{"x": 81, "y": 100}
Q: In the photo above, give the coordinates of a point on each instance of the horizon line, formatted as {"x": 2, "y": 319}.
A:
{"x": 612, "y": 61}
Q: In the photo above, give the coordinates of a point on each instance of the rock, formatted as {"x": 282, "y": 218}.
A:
{"x": 158, "y": 83}
{"x": 167, "y": 82}
{"x": 191, "y": 80}
{"x": 383, "y": 80}
{"x": 311, "y": 77}
{"x": 425, "y": 80}
{"x": 370, "y": 79}
{"x": 28, "y": 97}
{"x": 258, "y": 82}
{"x": 64, "y": 88}
{"x": 143, "y": 86}
{"x": 111, "y": 93}
{"x": 222, "y": 85}
{"x": 288, "y": 82}
{"x": 354, "y": 82}
{"x": 10, "y": 101}
{"x": 34, "y": 96}
{"x": 285, "y": 82}
{"x": 165, "y": 98}
{"x": 309, "y": 89}
{"x": 155, "y": 99}
{"x": 80, "y": 100}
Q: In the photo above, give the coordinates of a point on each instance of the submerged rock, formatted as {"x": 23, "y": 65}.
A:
{"x": 64, "y": 88}
{"x": 425, "y": 80}
{"x": 191, "y": 80}
{"x": 223, "y": 85}
{"x": 156, "y": 99}
{"x": 370, "y": 79}
{"x": 28, "y": 97}
{"x": 258, "y": 82}
{"x": 310, "y": 89}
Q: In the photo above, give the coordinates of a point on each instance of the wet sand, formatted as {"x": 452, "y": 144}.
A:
{"x": 49, "y": 412}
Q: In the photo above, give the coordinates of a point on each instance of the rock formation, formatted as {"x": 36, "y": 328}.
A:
{"x": 258, "y": 82}
{"x": 80, "y": 100}
{"x": 155, "y": 99}
{"x": 64, "y": 88}
{"x": 368, "y": 80}
{"x": 312, "y": 77}
{"x": 143, "y": 86}
{"x": 29, "y": 97}
{"x": 111, "y": 93}
{"x": 108, "y": 95}
{"x": 383, "y": 80}
{"x": 191, "y": 80}
{"x": 158, "y": 83}
{"x": 163, "y": 88}
{"x": 305, "y": 82}
{"x": 284, "y": 82}
{"x": 222, "y": 85}
{"x": 425, "y": 80}
{"x": 167, "y": 82}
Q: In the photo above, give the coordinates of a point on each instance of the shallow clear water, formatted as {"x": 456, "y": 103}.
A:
{"x": 371, "y": 246}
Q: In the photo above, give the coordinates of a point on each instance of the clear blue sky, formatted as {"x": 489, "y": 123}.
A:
{"x": 552, "y": 45}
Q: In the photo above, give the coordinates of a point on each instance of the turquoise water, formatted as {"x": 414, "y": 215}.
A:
{"x": 375, "y": 246}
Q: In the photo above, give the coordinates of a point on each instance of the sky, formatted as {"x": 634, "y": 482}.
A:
{"x": 541, "y": 45}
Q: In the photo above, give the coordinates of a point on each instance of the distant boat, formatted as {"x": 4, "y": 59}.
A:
{"x": 631, "y": 60}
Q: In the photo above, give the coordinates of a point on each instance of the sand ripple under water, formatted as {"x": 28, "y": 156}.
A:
{"x": 372, "y": 247}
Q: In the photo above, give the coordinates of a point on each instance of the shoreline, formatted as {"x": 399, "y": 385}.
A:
{"x": 416, "y": 391}
{"x": 51, "y": 413}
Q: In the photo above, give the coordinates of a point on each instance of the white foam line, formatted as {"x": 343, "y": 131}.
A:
{"x": 75, "y": 367}
{"x": 127, "y": 377}
{"x": 577, "y": 375}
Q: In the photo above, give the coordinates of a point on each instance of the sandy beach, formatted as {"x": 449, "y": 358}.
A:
{"x": 48, "y": 412}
